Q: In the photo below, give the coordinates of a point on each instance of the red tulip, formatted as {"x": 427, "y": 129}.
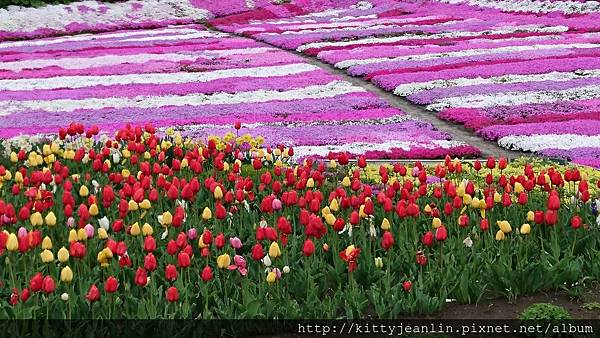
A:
{"x": 171, "y": 272}
{"x": 35, "y": 284}
{"x": 484, "y": 224}
{"x": 141, "y": 277}
{"x": 48, "y": 285}
{"x": 150, "y": 262}
{"x": 407, "y": 286}
{"x": 576, "y": 222}
{"x": 111, "y": 285}
{"x": 183, "y": 260}
{"x": 172, "y": 294}
{"x": 553, "y": 201}
{"x": 441, "y": 234}
{"x": 207, "y": 273}
{"x": 491, "y": 162}
{"x": 237, "y": 125}
{"x": 362, "y": 162}
{"x": 387, "y": 241}
{"x": 427, "y": 239}
{"x": 93, "y": 294}
{"x": 25, "y": 295}
{"x": 149, "y": 244}
{"x": 308, "y": 248}
{"x": 257, "y": 252}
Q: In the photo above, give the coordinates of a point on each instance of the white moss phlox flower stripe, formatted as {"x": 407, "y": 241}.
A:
{"x": 97, "y": 61}
{"x": 57, "y": 17}
{"x": 113, "y": 60}
{"x": 415, "y": 87}
{"x": 362, "y": 147}
{"x": 99, "y": 37}
{"x": 550, "y": 141}
{"x": 153, "y": 78}
{"x": 517, "y": 98}
{"x": 363, "y": 23}
{"x": 536, "y": 6}
{"x": 331, "y": 89}
{"x": 212, "y": 35}
{"x": 364, "y": 27}
{"x": 464, "y": 53}
{"x": 501, "y": 30}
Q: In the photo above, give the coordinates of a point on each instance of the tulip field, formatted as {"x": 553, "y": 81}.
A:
{"x": 190, "y": 159}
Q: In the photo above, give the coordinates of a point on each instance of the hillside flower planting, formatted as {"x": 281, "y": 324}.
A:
{"x": 203, "y": 81}
{"x": 522, "y": 73}
{"x": 147, "y": 223}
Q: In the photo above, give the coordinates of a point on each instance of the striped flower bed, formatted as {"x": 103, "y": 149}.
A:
{"x": 534, "y": 77}
{"x": 202, "y": 81}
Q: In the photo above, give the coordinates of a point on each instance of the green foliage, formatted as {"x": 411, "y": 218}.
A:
{"x": 545, "y": 311}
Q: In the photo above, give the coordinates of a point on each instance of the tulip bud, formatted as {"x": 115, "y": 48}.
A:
{"x": 504, "y": 226}
{"x": 63, "y": 255}
{"x": 47, "y": 243}
{"x": 436, "y": 223}
{"x": 525, "y": 229}
{"x": 378, "y": 262}
{"x": 47, "y": 256}
{"x": 50, "y": 219}
{"x": 500, "y": 235}
{"x": 274, "y": 251}
{"x": 66, "y": 275}
{"x": 385, "y": 225}
{"x": 135, "y": 229}
{"x": 223, "y": 261}
{"x": 206, "y": 214}
{"x": 145, "y": 204}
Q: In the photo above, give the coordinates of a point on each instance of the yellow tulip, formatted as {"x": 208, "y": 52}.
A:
{"x": 385, "y": 224}
{"x": 274, "y": 251}
{"x": 167, "y": 218}
{"x": 504, "y": 226}
{"x": 206, "y": 214}
{"x": 499, "y": 235}
{"x": 47, "y": 243}
{"x": 36, "y": 219}
{"x": 102, "y": 234}
{"x": 73, "y": 235}
{"x": 13, "y": 157}
{"x": 125, "y": 173}
{"x": 346, "y": 182}
{"x": 525, "y": 229}
{"x": 223, "y": 261}
{"x": 147, "y": 230}
{"x": 94, "y": 209}
{"x": 475, "y": 203}
{"x": 81, "y": 234}
{"x": 63, "y": 255}
{"x": 333, "y": 205}
{"x": 12, "y": 244}
{"x": 84, "y": 191}
{"x": 18, "y": 177}
{"x": 50, "y": 219}
{"x": 66, "y": 275}
{"x": 436, "y": 223}
{"x": 135, "y": 229}
{"x": 427, "y": 208}
{"x": 325, "y": 211}
{"x": 145, "y": 204}
{"x": 330, "y": 219}
{"x": 47, "y": 256}
{"x": 218, "y": 193}
{"x": 310, "y": 183}
{"x": 467, "y": 199}
{"x": 530, "y": 216}
{"x": 519, "y": 188}
{"x": 497, "y": 197}
{"x": 349, "y": 250}
{"x": 460, "y": 191}
{"x": 132, "y": 206}
{"x": 332, "y": 164}
{"x": 271, "y": 277}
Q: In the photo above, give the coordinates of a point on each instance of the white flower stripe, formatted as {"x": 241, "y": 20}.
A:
{"x": 467, "y": 52}
{"x": 57, "y": 17}
{"x": 415, "y": 87}
{"x": 362, "y": 147}
{"x": 549, "y": 141}
{"x": 152, "y": 78}
{"x": 503, "y": 30}
{"x": 111, "y": 60}
{"x": 341, "y": 24}
{"x": 517, "y": 98}
{"x": 535, "y": 6}
{"x": 331, "y": 89}
{"x": 97, "y": 37}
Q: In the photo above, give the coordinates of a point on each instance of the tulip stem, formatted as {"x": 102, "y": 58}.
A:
{"x": 574, "y": 242}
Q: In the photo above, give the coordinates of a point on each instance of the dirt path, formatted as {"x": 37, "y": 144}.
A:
{"x": 457, "y": 131}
